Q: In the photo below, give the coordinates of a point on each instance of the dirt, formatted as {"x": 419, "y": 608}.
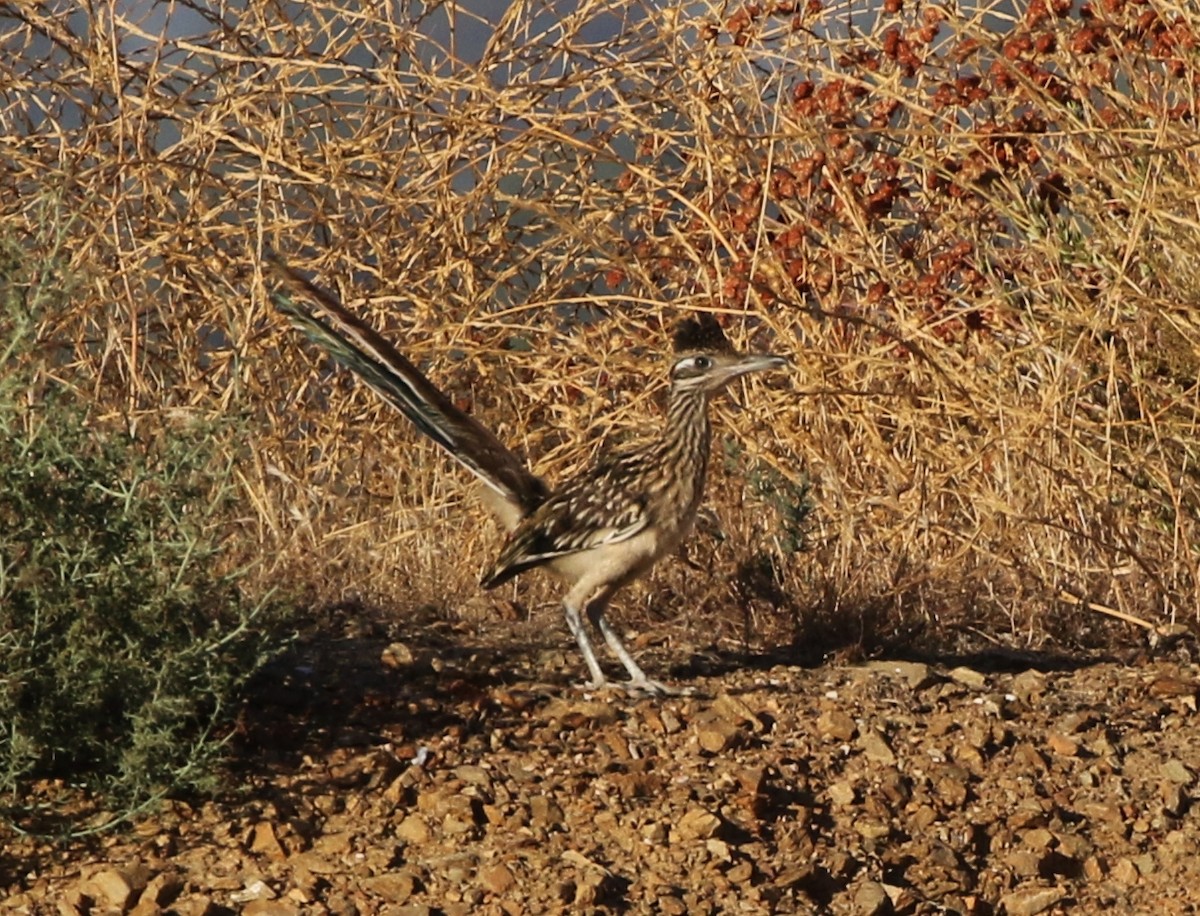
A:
{"x": 376, "y": 775}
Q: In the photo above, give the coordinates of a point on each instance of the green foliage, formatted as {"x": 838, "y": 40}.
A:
{"x": 790, "y": 501}
{"x": 122, "y": 646}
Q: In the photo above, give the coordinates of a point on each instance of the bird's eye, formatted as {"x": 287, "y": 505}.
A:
{"x": 702, "y": 362}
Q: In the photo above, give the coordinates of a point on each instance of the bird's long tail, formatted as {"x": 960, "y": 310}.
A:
{"x": 515, "y": 490}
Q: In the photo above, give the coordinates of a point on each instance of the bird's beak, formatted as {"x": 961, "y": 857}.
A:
{"x": 757, "y": 362}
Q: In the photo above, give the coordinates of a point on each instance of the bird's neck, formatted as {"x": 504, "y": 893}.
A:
{"x": 687, "y": 431}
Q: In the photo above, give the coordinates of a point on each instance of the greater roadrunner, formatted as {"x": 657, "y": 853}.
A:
{"x": 597, "y": 532}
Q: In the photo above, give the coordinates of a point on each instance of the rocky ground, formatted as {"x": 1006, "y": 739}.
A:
{"x": 383, "y": 776}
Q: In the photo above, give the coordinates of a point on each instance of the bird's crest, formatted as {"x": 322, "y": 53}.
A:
{"x": 700, "y": 333}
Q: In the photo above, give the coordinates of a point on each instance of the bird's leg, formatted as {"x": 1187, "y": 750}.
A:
{"x": 579, "y": 631}
{"x": 638, "y": 682}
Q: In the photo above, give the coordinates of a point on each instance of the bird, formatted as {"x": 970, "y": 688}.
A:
{"x": 598, "y": 531}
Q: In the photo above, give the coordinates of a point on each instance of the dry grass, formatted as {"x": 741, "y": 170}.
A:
{"x": 976, "y": 235}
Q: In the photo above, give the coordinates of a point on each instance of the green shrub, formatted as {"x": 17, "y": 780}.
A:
{"x": 122, "y": 646}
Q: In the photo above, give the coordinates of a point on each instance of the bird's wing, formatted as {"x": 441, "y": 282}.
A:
{"x": 594, "y": 511}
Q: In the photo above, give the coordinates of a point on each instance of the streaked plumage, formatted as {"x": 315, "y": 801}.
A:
{"x": 599, "y": 531}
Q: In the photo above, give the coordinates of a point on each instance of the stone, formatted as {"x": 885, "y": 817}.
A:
{"x": 697, "y": 824}
{"x": 1062, "y": 745}
{"x": 1124, "y": 871}
{"x": 545, "y": 812}
{"x": 1031, "y": 901}
{"x": 413, "y": 829}
{"x": 163, "y": 888}
{"x": 1028, "y": 686}
{"x": 1176, "y": 771}
{"x": 719, "y": 736}
{"x": 265, "y": 842}
{"x": 263, "y": 907}
{"x": 1095, "y": 868}
{"x": 871, "y": 899}
{"x": 474, "y": 775}
{"x": 1039, "y": 838}
{"x": 835, "y": 725}
{"x": 968, "y": 677}
{"x": 399, "y": 656}
{"x": 496, "y": 879}
{"x": 915, "y": 674}
{"x": 871, "y": 828}
{"x": 392, "y": 887}
{"x": 1025, "y": 864}
{"x": 841, "y": 794}
{"x": 111, "y": 887}
{"x": 876, "y": 747}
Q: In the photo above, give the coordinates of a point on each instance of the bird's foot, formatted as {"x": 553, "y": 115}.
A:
{"x": 639, "y": 688}
{"x": 648, "y": 687}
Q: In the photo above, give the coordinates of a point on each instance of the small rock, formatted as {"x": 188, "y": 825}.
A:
{"x": 1025, "y": 864}
{"x": 968, "y": 677}
{"x": 1145, "y": 864}
{"x": 872, "y": 899}
{"x": 1063, "y": 746}
{"x": 841, "y": 794}
{"x": 736, "y": 710}
{"x": 265, "y": 842}
{"x": 952, "y": 790}
{"x": 1031, "y": 901}
{"x": 1073, "y": 845}
{"x": 338, "y": 843}
{"x": 1176, "y": 771}
{"x": 915, "y": 674}
{"x": 399, "y": 656}
{"x": 580, "y": 713}
{"x": 391, "y": 887}
{"x": 1028, "y": 755}
{"x": 1028, "y": 686}
{"x": 270, "y": 908}
{"x": 474, "y": 775}
{"x": 587, "y": 891}
{"x": 697, "y": 824}
{"x": 718, "y": 736}
{"x": 1094, "y": 868}
{"x": 654, "y": 833}
{"x": 413, "y": 829}
{"x": 1174, "y": 798}
{"x": 162, "y": 889}
{"x": 718, "y": 849}
{"x": 497, "y": 880}
{"x": 1075, "y": 722}
{"x": 670, "y": 905}
{"x": 924, "y": 817}
{"x": 1038, "y": 838}
{"x": 876, "y": 748}
{"x": 835, "y": 725}
{"x": 740, "y": 873}
{"x": 872, "y": 829}
{"x": 112, "y": 887}
{"x": 545, "y": 812}
{"x": 254, "y": 889}
{"x": 1124, "y": 871}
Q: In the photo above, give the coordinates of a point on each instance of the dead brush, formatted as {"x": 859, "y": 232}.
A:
{"x": 977, "y": 234}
